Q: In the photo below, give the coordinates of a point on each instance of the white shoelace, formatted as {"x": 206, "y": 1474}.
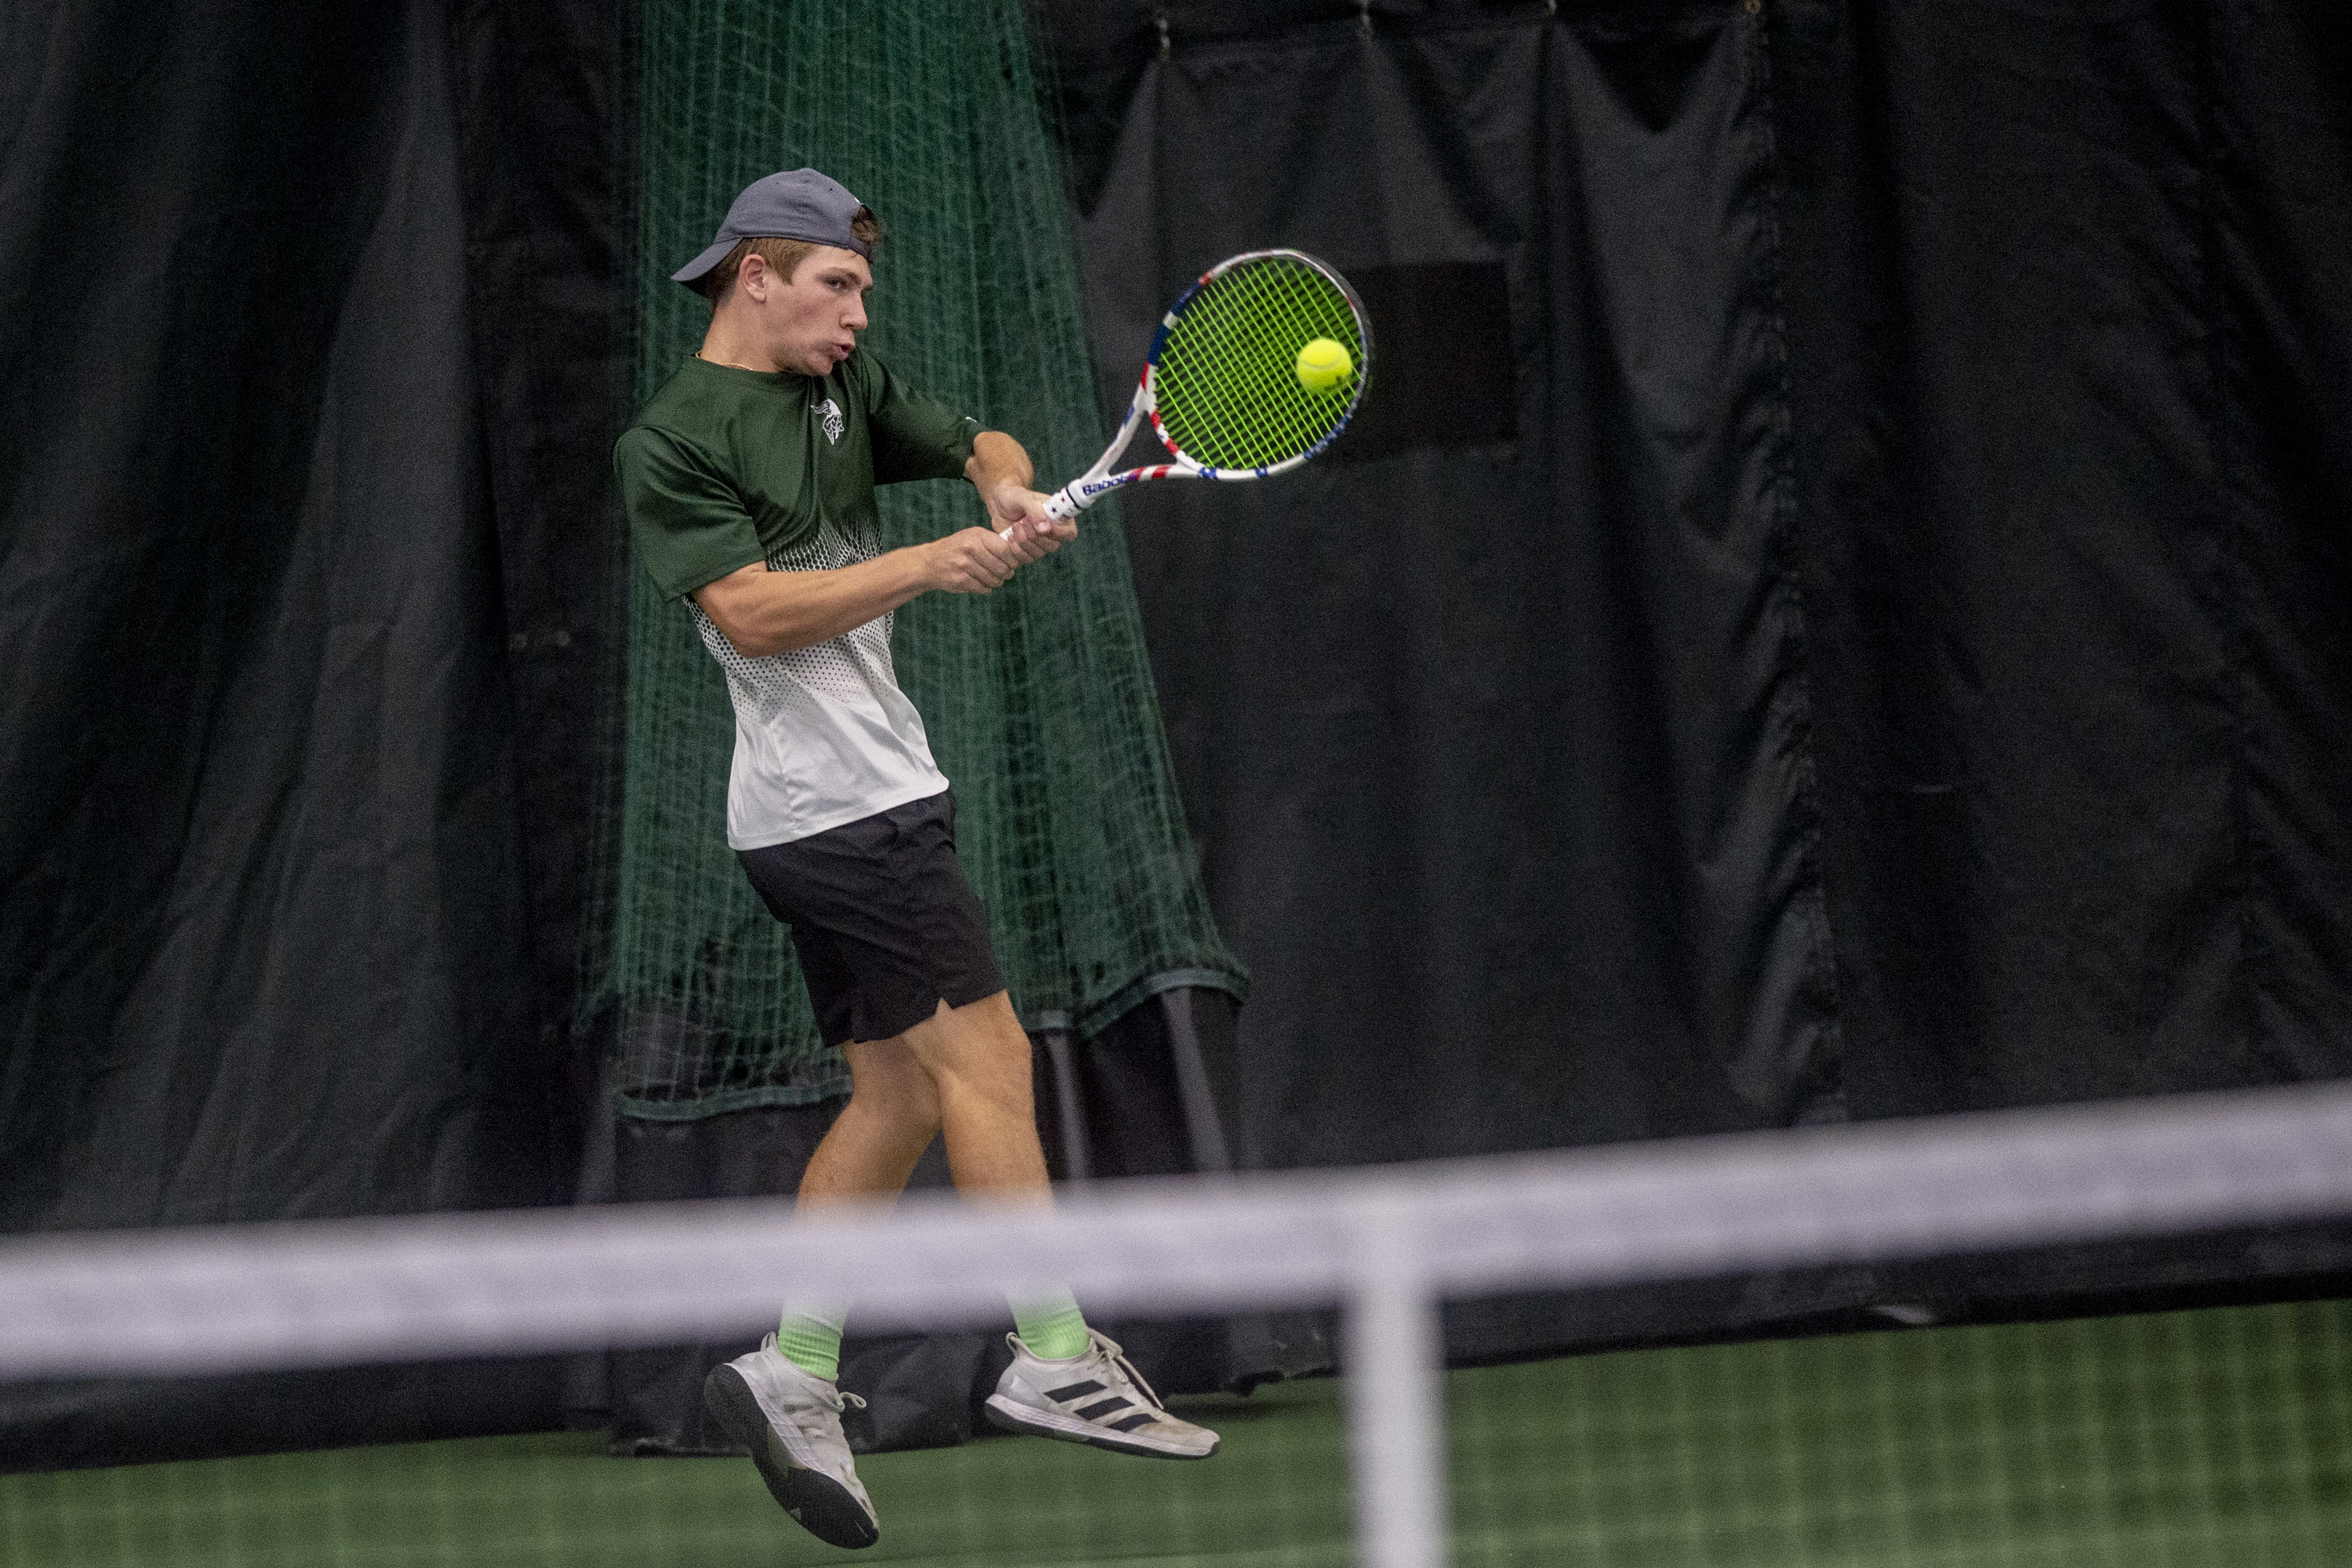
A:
{"x": 1107, "y": 1350}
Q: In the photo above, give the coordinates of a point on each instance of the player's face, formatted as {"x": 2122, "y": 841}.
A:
{"x": 811, "y": 322}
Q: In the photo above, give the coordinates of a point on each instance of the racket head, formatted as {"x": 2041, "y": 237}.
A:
{"x": 1225, "y": 392}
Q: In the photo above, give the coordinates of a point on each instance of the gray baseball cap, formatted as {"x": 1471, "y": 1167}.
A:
{"x": 798, "y": 205}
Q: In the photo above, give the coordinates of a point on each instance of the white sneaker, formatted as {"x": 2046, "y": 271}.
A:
{"x": 790, "y": 1420}
{"x": 1097, "y": 1398}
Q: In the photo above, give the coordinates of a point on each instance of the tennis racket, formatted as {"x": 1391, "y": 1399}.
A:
{"x": 1222, "y": 385}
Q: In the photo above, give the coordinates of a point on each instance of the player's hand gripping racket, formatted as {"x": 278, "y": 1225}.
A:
{"x": 1256, "y": 368}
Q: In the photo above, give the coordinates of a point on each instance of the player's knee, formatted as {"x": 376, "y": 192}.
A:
{"x": 889, "y": 1084}
{"x": 905, "y": 1110}
{"x": 979, "y": 1039}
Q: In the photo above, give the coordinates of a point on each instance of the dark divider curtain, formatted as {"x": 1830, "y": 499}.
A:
{"x": 2071, "y": 334}
{"x": 292, "y": 786}
{"x": 1494, "y": 722}
{"x": 2070, "y": 322}
{"x": 1879, "y": 649}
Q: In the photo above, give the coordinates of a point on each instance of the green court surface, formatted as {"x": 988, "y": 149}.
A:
{"x": 2220, "y": 1436}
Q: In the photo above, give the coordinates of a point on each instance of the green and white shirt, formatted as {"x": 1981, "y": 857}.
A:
{"x": 726, "y": 467}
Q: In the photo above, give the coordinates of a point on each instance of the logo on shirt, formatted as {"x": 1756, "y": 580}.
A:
{"x": 830, "y": 412}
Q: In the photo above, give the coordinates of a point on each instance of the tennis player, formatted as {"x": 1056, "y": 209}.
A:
{"x": 749, "y": 481}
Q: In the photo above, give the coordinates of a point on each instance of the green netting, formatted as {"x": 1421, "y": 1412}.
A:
{"x": 1037, "y": 697}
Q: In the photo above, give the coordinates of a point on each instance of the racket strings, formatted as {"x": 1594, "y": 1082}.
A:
{"x": 1240, "y": 405}
{"x": 1227, "y": 383}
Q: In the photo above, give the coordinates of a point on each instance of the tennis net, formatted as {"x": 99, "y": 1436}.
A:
{"x": 2195, "y": 1436}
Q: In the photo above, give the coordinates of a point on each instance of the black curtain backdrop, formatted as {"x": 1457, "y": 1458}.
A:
{"x": 2070, "y": 307}
{"x": 1835, "y": 609}
{"x": 1893, "y": 660}
{"x": 1498, "y": 749}
{"x": 308, "y": 357}
{"x": 262, "y": 851}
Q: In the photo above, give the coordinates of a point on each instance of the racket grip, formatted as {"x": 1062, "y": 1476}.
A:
{"x": 1059, "y": 505}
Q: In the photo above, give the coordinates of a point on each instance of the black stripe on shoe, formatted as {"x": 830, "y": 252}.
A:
{"x": 1068, "y": 1391}
{"x": 1103, "y": 1408}
{"x": 1011, "y": 1416}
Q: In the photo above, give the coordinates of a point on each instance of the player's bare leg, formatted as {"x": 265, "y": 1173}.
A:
{"x": 782, "y": 1401}
{"x": 892, "y": 1115}
{"x": 1066, "y": 1380}
{"x": 978, "y": 1059}
{"x": 964, "y": 1071}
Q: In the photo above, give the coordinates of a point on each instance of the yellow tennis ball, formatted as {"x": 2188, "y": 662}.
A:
{"x": 1324, "y": 365}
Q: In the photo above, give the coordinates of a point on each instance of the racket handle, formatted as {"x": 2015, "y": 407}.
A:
{"x": 1059, "y": 505}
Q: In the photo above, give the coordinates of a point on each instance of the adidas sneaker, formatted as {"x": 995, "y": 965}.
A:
{"x": 790, "y": 1420}
{"x": 1096, "y": 1398}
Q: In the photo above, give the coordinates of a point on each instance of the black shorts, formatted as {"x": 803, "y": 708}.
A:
{"x": 885, "y": 926}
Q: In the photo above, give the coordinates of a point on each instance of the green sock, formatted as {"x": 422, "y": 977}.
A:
{"x": 1052, "y": 1326}
{"x": 810, "y": 1337}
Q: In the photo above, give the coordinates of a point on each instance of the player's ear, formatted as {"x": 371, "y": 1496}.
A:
{"x": 752, "y": 277}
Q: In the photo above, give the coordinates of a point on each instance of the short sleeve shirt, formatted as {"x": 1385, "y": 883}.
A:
{"x": 726, "y": 467}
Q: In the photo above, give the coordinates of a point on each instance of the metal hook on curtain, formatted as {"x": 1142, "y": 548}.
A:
{"x": 1160, "y": 20}
{"x": 1364, "y": 16}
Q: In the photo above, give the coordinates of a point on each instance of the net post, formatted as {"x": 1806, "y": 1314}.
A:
{"x": 1391, "y": 1359}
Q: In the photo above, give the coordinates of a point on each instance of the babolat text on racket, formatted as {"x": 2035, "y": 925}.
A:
{"x": 1257, "y": 367}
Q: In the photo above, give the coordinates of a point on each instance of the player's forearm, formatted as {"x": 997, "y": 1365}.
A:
{"x": 997, "y": 459}
{"x": 763, "y": 612}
